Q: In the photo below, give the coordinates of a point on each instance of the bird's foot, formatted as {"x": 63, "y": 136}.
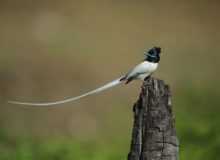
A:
{"x": 147, "y": 81}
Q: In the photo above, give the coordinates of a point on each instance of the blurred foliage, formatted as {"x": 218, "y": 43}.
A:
{"x": 197, "y": 122}
{"x": 25, "y": 147}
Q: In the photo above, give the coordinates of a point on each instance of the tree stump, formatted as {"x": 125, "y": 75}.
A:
{"x": 154, "y": 137}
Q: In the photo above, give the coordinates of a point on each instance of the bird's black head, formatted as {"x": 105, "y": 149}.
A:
{"x": 153, "y": 55}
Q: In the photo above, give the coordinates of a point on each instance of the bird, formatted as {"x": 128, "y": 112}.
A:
{"x": 140, "y": 72}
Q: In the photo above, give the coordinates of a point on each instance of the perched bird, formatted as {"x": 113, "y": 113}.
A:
{"x": 140, "y": 72}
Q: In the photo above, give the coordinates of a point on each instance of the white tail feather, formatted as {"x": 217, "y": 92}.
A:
{"x": 109, "y": 85}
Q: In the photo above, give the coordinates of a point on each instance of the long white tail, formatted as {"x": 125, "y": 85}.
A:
{"x": 109, "y": 85}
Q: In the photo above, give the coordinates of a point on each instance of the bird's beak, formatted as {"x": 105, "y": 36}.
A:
{"x": 148, "y": 54}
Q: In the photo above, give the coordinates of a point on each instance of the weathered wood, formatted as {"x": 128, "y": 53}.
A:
{"x": 154, "y": 137}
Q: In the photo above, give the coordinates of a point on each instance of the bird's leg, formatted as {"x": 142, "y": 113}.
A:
{"x": 147, "y": 80}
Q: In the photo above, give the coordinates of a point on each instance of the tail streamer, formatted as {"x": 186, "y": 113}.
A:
{"x": 109, "y": 85}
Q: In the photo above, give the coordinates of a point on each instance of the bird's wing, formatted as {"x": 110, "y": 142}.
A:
{"x": 139, "y": 69}
{"x": 109, "y": 85}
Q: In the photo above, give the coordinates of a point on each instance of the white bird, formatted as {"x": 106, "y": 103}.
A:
{"x": 140, "y": 72}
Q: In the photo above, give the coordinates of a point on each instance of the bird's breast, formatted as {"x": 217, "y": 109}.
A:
{"x": 148, "y": 69}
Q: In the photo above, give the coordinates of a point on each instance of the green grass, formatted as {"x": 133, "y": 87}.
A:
{"x": 28, "y": 148}
{"x": 197, "y": 123}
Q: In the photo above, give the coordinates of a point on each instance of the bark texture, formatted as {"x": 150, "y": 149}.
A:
{"x": 154, "y": 137}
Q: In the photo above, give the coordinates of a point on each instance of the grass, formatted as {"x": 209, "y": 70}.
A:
{"x": 197, "y": 123}
{"x": 28, "y": 148}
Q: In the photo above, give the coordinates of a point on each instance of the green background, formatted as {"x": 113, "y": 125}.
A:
{"x": 54, "y": 50}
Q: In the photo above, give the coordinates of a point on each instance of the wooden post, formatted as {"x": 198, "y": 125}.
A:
{"x": 154, "y": 137}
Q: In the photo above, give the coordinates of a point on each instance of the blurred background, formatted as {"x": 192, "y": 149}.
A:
{"x": 53, "y": 50}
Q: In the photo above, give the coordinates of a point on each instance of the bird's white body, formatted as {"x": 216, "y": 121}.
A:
{"x": 142, "y": 70}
